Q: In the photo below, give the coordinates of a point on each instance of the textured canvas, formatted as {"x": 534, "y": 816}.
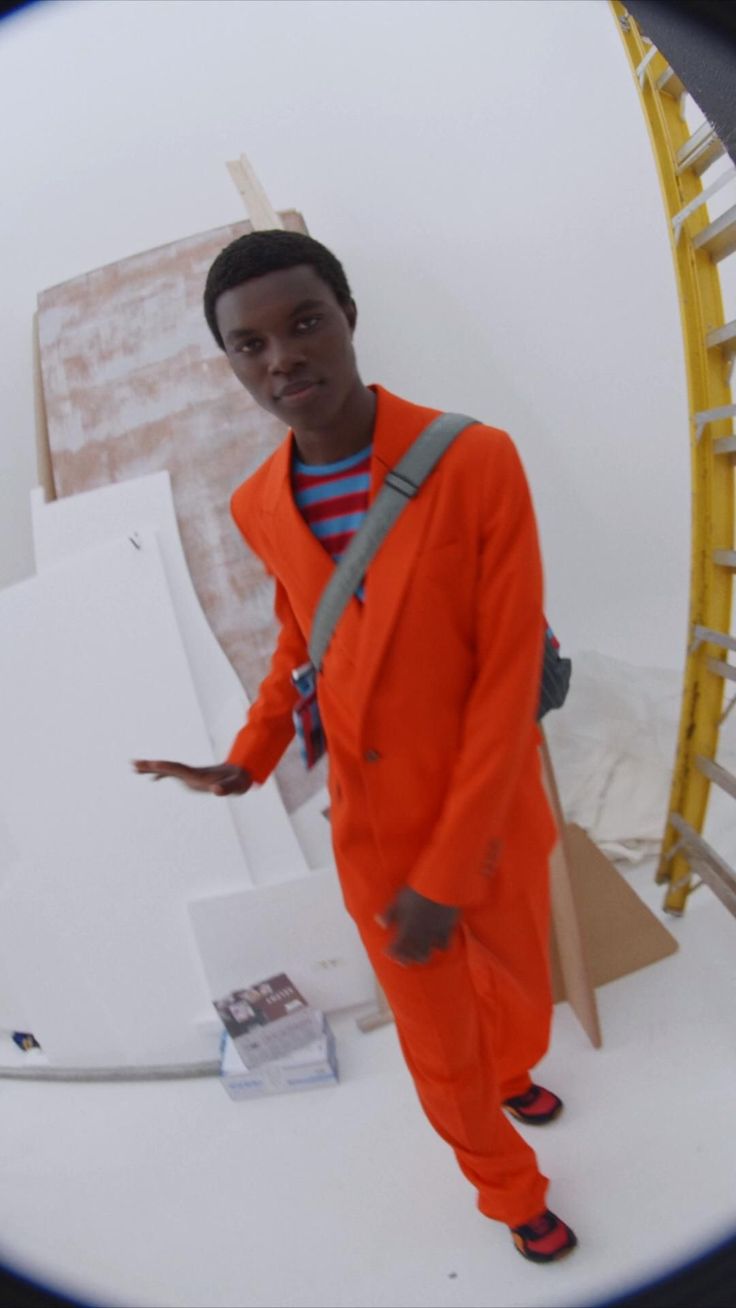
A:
{"x": 133, "y": 384}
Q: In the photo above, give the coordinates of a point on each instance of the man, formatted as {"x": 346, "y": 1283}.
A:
{"x": 427, "y": 696}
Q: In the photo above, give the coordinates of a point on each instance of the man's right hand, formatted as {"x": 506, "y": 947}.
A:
{"x": 222, "y": 779}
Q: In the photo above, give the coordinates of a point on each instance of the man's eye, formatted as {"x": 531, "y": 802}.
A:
{"x": 251, "y": 346}
{"x": 306, "y": 324}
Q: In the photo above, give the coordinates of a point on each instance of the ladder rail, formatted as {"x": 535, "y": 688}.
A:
{"x": 695, "y": 242}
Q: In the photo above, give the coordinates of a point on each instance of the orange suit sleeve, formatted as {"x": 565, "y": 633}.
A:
{"x": 499, "y": 718}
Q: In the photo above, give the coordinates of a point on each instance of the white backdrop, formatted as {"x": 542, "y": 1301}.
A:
{"x": 484, "y": 172}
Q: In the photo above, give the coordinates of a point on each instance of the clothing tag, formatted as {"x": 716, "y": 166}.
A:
{"x": 307, "y": 721}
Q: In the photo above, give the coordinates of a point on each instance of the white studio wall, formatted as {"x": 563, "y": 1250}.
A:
{"x": 484, "y": 173}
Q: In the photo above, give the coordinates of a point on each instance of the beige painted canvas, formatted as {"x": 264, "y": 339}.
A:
{"x": 133, "y": 383}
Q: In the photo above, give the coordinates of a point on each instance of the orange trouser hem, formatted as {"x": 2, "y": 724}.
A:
{"x": 471, "y": 1023}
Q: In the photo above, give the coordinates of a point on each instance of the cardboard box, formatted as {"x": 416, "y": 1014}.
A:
{"x": 269, "y": 1020}
{"x": 313, "y": 1065}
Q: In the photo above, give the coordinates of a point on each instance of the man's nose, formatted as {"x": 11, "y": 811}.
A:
{"x": 284, "y": 357}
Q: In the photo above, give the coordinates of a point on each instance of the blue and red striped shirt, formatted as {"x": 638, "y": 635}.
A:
{"x": 333, "y": 498}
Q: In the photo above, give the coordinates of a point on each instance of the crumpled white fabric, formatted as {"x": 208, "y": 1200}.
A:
{"x": 613, "y": 751}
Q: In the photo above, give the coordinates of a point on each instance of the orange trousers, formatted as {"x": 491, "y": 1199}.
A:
{"x": 472, "y": 1022}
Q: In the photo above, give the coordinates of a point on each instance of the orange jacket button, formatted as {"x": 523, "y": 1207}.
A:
{"x": 371, "y": 756}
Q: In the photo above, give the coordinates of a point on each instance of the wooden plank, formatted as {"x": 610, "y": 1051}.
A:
{"x": 381, "y": 1015}
{"x": 567, "y": 935}
{"x": 261, "y": 212}
{"x": 44, "y": 470}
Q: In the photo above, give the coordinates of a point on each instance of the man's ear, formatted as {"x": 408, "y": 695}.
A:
{"x": 351, "y": 313}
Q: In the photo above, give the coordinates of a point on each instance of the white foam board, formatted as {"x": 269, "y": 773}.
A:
{"x": 69, "y": 526}
{"x": 301, "y": 928}
{"x": 14, "y": 1014}
{"x": 94, "y": 936}
{"x": 312, "y": 826}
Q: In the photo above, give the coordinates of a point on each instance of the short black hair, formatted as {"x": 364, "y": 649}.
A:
{"x": 258, "y": 253}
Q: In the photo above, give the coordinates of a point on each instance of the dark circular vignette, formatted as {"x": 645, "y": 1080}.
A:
{"x": 708, "y": 1280}
{"x": 10, "y": 7}
{"x": 17, "y": 1291}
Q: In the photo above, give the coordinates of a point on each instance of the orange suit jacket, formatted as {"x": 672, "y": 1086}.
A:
{"x": 429, "y": 690}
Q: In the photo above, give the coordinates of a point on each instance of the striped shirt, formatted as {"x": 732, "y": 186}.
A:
{"x": 333, "y": 498}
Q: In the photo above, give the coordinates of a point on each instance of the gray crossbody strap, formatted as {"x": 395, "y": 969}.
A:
{"x": 400, "y": 486}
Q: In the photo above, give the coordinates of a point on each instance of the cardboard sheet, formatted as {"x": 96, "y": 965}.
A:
{"x": 619, "y": 932}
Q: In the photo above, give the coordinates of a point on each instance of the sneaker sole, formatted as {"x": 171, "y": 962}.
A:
{"x": 538, "y": 1119}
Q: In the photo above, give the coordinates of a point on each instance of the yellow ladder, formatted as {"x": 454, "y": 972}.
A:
{"x": 698, "y": 245}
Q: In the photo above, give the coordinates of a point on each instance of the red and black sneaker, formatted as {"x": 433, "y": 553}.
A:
{"x": 535, "y": 1107}
{"x": 545, "y": 1239}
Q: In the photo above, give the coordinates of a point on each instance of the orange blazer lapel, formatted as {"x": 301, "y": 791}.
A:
{"x": 398, "y": 423}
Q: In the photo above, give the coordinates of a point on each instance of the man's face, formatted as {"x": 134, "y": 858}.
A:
{"x": 290, "y": 344}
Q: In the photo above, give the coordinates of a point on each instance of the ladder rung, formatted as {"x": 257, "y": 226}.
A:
{"x": 700, "y": 150}
{"x": 714, "y": 870}
{"x": 718, "y": 239}
{"x": 707, "y": 636}
{"x": 705, "y": 196}
{"x": 726, "y": 445}
{"x": 714, "y": 772}
{"x": 642, "y": 67}
{"x": 669, "y": 84}
{"x": 706, "y": 416}
{"x": 723, "y": 338}
{"x": 721, "y": 669}
{"x": 726, "y": 558}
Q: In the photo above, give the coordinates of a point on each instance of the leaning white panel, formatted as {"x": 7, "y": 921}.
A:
{"x": 14, "y": 1011}
{"x": 302, "y": 928}
{"x": 76, "y": 523}
{"x": 95, "y": 937}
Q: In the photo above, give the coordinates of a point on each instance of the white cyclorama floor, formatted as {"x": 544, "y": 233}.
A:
{"x": 171, "y": 1194}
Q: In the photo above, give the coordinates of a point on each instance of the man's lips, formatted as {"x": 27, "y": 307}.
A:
{"x": 297, "y": 388}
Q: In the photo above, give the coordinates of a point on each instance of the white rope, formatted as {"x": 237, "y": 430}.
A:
{"x": 176, "y": 1072}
